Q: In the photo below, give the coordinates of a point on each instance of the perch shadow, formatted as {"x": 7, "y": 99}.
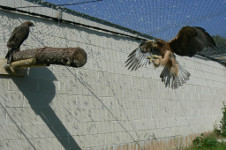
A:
{"x": 40, "y": 105}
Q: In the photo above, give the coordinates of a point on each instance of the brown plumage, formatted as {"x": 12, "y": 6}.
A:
{"x": 19, "y": 34}
{"x": 188, "y": 42}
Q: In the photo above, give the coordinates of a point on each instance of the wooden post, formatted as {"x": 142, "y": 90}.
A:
{"x": 75, "y": 57}
{"x": 39, "y": 57}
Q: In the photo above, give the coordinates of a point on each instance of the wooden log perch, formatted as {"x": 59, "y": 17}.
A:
{"x": 75, "y": 57}
{"x": 5, "y": 69}
{"x": 39, "y": 57}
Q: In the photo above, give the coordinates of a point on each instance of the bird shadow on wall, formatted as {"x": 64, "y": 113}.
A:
{"x": 39, "y": 94}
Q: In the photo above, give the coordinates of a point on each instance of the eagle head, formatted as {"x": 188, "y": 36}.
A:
{"x": 152, "y": 46}
{"x": 29, "y": 23}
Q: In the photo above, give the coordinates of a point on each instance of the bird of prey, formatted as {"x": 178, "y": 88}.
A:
{"x": 19, "y": 34}
{"x": 188, "y": 42}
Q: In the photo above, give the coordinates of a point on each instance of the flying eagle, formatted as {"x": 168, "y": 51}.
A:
{"x": 19, "y": 34}
{"x": 188, "y": 42}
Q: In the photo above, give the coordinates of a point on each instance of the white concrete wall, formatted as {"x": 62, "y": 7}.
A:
{"x": 101, "y": 104}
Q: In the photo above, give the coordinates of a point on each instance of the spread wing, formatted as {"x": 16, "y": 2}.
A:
{"x": 191, "y": 40}
{"x": 18, "y": 36}
{"x": 138, "y": 58}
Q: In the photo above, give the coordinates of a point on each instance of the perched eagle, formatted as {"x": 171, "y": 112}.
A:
{"x": 17, "y": 37}
{"x": 188, "y": 42}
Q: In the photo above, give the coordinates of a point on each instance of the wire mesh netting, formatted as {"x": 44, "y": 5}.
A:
{"x": 156, "y": 18}
{"x": 160, "y": 19}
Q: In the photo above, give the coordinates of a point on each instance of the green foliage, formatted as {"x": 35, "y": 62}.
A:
{"x": 198, "y": 141}
{"x": 220, "y": 42}
{"x": 201, "y": 141}
{"x": 222, "y": 130}
{"x": 220, "y": 146}
{"x": 217, "y": 132}
{"x": 210, "y": 142}
{"x": 223, "y": 122}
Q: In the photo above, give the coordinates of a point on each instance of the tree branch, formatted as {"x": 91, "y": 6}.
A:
{"x": 75, "y": 57}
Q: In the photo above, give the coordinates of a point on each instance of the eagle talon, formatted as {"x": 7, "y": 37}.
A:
{"x": 150, "y": 58}
{"x": 155, "y": 56}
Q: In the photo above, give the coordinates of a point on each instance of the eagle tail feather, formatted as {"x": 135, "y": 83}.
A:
{"x": 9, "y": 57}
{"x": 164, "y": 74}
{"x": 174, "y": 81}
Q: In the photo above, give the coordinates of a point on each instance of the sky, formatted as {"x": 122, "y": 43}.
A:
{"x": 158, "y": 18}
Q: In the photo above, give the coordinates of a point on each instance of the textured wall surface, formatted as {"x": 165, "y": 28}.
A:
{"x": 101, "y": 105}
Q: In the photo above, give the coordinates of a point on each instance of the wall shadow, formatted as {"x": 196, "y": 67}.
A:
{"x": 40, "y": 103}
{"x": 125, "y": 128}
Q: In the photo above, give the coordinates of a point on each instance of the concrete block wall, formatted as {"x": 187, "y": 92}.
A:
{"x": 102, "y": 105}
